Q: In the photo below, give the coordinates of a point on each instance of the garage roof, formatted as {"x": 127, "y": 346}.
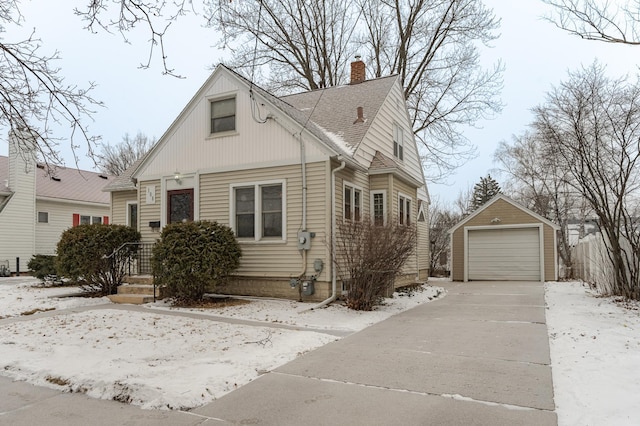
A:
{"x": 508, "y": 200}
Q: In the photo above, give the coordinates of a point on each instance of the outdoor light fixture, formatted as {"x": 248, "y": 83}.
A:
{"x": 176, "y": 177}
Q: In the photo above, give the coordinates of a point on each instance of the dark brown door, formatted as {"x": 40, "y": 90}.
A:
{"x": 180, "y": 205}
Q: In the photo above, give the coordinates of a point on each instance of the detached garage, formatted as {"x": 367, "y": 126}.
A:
{"x": 504, "y": 241}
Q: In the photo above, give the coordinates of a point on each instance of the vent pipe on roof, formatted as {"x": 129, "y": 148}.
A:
{"x": 360, "y": 118}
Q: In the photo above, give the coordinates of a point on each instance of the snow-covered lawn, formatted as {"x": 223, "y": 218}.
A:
{"x": 159, "y": 361}
{"x": 595, "y": 357}
{"x": 156, "y": 360}
{"x": 24, "y": 296}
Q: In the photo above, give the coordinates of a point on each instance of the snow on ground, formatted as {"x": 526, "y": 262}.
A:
{"x": 24, "y": 296}
{"x": 595, "y": 356}
{"x": 160, "y": 361}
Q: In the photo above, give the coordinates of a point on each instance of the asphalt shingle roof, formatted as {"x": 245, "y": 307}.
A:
{"x": 335, "y": 109}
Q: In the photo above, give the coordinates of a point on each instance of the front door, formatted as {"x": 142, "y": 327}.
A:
{"x": 180, "y": 205}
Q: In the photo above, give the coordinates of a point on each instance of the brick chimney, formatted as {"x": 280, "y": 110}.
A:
{"x": 357, "y": 71}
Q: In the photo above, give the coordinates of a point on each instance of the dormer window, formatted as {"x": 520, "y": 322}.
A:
{"x": 398, "y": 142}
{"x": 223, "y": 115}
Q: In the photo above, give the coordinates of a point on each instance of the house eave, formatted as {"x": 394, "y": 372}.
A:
{"x": 401, "y": 174}
{"x": 75, "y": 202}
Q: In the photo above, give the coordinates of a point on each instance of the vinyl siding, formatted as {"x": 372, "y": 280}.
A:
{"x": 60, "y": 219}
{"x": 275, "y": 258}
{"x": 410, "y": 267}
{"x": 149, "y": 212}
{"x": 18, "y": 218}
{"x": 188, "y": 146}
{"x": 509, "y": 215}
{"x": 119, "y": 205}
{"x": 380, "y": 135}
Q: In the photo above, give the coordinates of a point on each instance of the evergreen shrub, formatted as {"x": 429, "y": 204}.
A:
{"x": 191, "y": 258}
{"x": 86, "y": 255}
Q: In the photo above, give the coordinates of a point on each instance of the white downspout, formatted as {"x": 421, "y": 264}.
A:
{"x": 303, "y": 162}
{"x": 334, "y": 276}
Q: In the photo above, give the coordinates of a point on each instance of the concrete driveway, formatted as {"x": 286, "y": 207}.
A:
{"x": 479, "y": 356}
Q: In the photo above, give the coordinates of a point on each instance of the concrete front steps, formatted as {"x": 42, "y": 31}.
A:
{"x": 137, "y": 290}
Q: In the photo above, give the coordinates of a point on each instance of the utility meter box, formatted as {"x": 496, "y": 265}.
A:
{"x": 304, "y": 240}
{"x": 308, "y": 288}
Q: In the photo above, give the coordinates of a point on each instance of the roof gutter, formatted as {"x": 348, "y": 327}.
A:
{"x": 334, "y": 276}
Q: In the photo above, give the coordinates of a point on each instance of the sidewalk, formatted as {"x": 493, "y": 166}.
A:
{"x": 479, "y": 356}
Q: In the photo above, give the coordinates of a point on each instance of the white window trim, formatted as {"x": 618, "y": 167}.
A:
{"x": 169, "y": 183}
{"x": 384, "y": 201}
{"x": 407, "y": 198}
{"x": 421, "y": 211}
{"x": 353, "y": 187}
{"x": 221, "y": 97}
{"x": 126, "y": 213}
{"x": 258, "y": 238}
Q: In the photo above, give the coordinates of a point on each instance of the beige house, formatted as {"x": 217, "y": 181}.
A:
{"x": 282, "y": 172}
{"x": 504, "y": 241}
{"x": 37, "y": 204}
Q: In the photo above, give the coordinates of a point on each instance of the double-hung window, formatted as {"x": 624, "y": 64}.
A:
{"x": 352, "y": 202}
{"x": 223, "y": 115}
{"x": 398, "y": 142}
{"x": 259, "y": 210}
{"x": 404, "y": 209}
{"x": 378, "y": 207}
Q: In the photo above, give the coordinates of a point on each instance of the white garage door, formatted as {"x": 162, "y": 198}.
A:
{"x": 504, "y": 254}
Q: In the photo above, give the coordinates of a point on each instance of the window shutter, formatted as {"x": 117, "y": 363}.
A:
{"x": 76, "y": 219}
{"x": 105, "y": 220}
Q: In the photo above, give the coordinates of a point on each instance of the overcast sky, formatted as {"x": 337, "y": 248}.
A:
{"x": 536, "y": 54}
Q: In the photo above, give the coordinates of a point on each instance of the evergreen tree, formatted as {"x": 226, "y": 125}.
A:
{"x": 484, "y": 190}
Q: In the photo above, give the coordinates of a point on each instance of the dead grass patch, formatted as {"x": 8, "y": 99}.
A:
{"x": 211, "y": 303}
{"x": 36, "y": 310}
{"x": 57, "y": 381}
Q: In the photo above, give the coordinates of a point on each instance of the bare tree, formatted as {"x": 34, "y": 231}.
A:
{"x": 35, "y": 102}
{"x": 539, "y": 181}
{"x": 601, "y": 20}
{"x": 303, "y": 45}
{"x": 371, "y": 257}
{"x": 115, "y": 159}
{"x": 123, "y": 15}
{"x": 432, "y": 45}
{"x": 441, "y": 219}
{"x": 591, "y": 124}
{"x": 464, "y": 202}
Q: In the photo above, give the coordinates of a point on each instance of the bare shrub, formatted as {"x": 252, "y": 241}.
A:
{"x": 370, "y": 257}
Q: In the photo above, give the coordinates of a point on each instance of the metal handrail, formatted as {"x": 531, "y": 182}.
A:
{"x": 138, "y": 259}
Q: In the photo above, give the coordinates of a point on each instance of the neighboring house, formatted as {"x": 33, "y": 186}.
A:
{"x": 281, "y": 172}
{"x": 504, "y": 241}
{"x": 38, "y": 203}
